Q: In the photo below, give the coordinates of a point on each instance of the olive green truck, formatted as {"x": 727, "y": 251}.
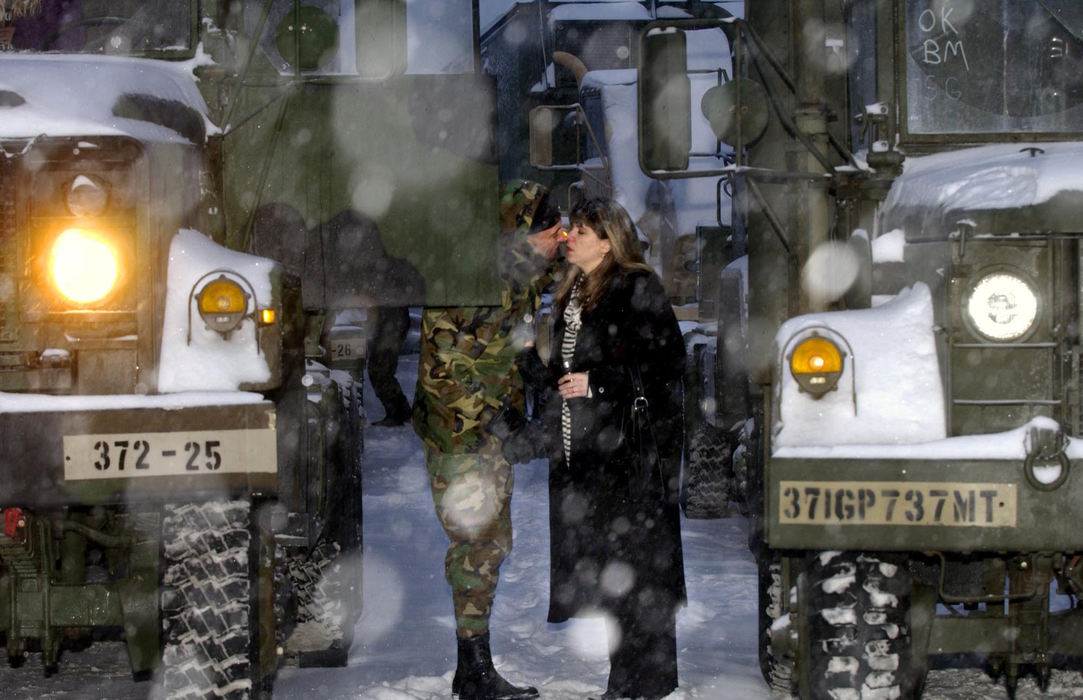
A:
{"x": 191, "y": 192}
{"x": 897, "y": 361}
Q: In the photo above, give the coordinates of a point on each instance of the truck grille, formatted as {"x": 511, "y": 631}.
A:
{"x": 994, "y": 385}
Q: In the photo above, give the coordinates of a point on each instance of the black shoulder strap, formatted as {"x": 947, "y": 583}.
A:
{"x": 640, "y": 398}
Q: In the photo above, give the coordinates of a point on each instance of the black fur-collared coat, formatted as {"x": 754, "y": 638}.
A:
{"x": 615, "y": 527}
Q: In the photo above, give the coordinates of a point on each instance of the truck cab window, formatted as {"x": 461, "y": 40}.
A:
{"x": 117, "y": 27}
{"x": 438, "y": 37}
{"x": 993, "y": 67}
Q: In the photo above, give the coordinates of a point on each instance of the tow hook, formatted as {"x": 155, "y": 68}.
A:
{"x": 1046, "y": 465}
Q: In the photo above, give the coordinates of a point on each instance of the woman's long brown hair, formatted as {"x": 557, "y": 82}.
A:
{"x": 611, "y": 222}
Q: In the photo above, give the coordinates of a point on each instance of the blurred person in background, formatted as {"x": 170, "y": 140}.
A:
{"x": 390, "y": 324}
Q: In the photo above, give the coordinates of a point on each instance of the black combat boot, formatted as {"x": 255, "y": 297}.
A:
{"x": 476, "y": 679}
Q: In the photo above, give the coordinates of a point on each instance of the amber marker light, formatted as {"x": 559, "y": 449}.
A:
{"x": 816, "y": 364}
{"x": 222, "y": 304}
{"x": 266, "y": 316}
{"x": 221, "y": 296}
{"x": 84, "y": 267}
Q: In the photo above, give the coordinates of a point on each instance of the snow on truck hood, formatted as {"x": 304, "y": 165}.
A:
{"x": 41, "y": 403}
{"x": 944, "y": 187}
{"x": 79, "y": 95}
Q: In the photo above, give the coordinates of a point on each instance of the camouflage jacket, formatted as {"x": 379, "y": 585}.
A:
{"x": 467, "y": 364}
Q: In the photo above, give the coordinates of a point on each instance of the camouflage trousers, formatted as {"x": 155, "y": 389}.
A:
{"x": 472, "y": 496}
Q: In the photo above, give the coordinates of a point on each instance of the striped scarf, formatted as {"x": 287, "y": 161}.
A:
{"x": 572, "y": 322}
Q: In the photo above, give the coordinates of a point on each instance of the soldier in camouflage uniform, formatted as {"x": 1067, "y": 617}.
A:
{"x": 466, "y": 376}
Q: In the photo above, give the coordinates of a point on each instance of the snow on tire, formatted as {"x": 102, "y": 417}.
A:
{"x": 859, "y": 638}
{"x": 206, "y": 601}
{"x": 706, "y": 485}
{"x": 323, "y": 581}
{"x": 776, "y": 665}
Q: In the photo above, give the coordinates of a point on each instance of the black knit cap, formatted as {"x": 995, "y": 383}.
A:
{"x": 546, "y": 215}
{"x": 525, "y": 204}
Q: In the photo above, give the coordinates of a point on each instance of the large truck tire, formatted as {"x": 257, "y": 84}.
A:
{"x": 328, "y": 586}
{"x": 207, "y": 606}
{"x": 327, "y": 578}
{"x": 859, "y": 636}
{"x": 705, "y": 488}
{"x": 745, "y": 449}
{"x": 776, "y": 664}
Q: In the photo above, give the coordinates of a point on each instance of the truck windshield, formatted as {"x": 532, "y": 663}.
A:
{"x": 116, "y": 27}
{"x": 994, "y": 66}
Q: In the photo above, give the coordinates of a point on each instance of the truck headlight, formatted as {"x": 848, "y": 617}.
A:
{"x": 222, "y": 304}
{"x": 816, "y": 364}
{"x": 84, "y": 266}
{"x": 1002, "y": 306}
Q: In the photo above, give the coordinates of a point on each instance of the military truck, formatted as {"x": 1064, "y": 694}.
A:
{"x": 906, "y": 178}
{"x": 191, "y": 193}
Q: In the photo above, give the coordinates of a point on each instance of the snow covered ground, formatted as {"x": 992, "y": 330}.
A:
{"x": 405, "y": 643}
{"x": 405, "y": 648}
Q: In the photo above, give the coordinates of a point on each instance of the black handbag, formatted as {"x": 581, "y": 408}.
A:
{"x": 641, "y": 439}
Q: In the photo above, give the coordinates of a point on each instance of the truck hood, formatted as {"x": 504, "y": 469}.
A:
{"x": 87, "y": 96}
{"x": 997, "y": 189}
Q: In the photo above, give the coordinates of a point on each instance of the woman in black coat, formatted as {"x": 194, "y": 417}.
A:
{"x": 615, "y": 523}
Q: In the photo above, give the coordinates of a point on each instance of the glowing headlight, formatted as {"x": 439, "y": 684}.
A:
{"x": 84, "y": 267}
{"x": 816, "y": 364}
{"x": 1002, "y": 306}
{"x": 222, "y": 304}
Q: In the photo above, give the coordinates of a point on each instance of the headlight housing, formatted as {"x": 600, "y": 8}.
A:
{"x": 84, "y": 266}
{"x": 1002, "y": 306}
{"x": 86, "y": 196}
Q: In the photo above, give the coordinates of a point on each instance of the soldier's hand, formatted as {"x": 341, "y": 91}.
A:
{"x": 546, "y": 242}
{"x": 525, "y": 444}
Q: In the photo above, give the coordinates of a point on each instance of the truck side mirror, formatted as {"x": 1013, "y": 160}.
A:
{"x": 542, "y": 123}
{"x": 554, "y": 137}
{"x": 665, "y": 113}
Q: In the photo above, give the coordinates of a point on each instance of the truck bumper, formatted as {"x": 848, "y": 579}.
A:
{"x": 155, "y": 452}
{"x": 899, "y": 504}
